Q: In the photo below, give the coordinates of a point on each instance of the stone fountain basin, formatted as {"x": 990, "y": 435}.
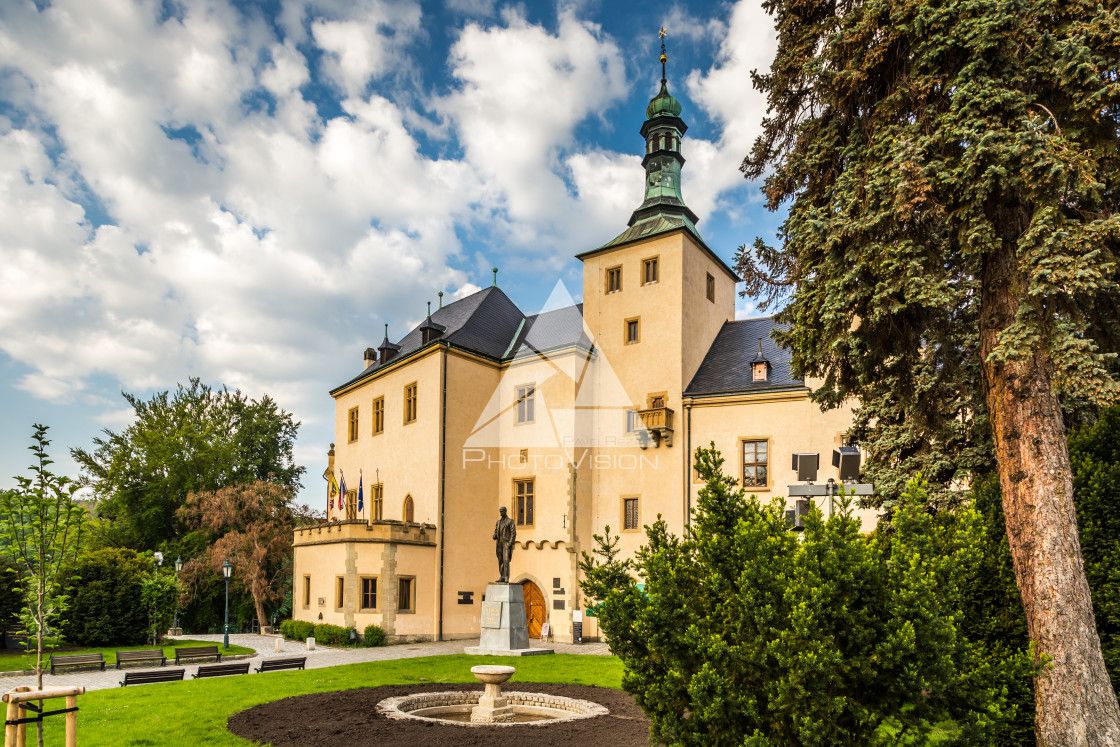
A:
{"x": 492, "y": 674}
{"x": 455, "y": 708}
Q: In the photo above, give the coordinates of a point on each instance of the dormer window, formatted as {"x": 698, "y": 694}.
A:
{"x": 429, "y": 330}
{"x": 760, "y": 366}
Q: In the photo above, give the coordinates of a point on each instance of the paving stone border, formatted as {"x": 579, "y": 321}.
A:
{"x": 402, "y": 707}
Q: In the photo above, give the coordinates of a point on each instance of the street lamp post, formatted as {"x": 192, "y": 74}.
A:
{"x": 178, "y": 567}
{"x": 227, "y": 571}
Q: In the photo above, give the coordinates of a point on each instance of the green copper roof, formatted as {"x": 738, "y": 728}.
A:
{"x": 655, "y": 225}
{"x": 663, "y": 103}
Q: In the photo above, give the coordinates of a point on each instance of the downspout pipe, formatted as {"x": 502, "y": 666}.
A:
{"x": 688, "y": 465}
{"x": 442, "y": 479}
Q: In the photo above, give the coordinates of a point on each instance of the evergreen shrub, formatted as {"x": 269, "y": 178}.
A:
{"x": 746, "y": 633}
{"x": 297, "y": 630}
{"x": 373, "y": 636}
{"x": 332, "y": 635}
{"x": 105, "y": 606}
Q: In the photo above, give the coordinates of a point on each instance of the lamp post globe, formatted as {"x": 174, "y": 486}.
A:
{"x": 227, "y": 571}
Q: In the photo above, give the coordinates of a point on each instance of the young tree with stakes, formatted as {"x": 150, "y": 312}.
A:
{"x": 41, "y": 525}
{"x": 950, "y": 255}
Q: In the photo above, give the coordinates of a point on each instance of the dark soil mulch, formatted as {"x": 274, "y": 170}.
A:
{"x": 350, "y": 718}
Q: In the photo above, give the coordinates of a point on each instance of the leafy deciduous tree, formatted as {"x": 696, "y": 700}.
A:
{"x": 252, "y": 525}
{"x": 105, "y": 593}
{"x": 193, "y": 439}
{"x": 41, "y": 525}
{"x": 951, "y": 250}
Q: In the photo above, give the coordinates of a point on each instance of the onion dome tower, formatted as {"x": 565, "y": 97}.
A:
{"x": 663, "y": 208}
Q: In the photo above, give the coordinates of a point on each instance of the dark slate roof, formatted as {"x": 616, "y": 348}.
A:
{"x": 551, "y": 330}
{"x": 489, "y": 323}
{"x": 727, "y": 366}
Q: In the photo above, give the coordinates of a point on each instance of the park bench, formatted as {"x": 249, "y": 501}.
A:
{"x": 77, "y": 660}
{"x": 148, "y": 654}
{"x": 221, "y": 670}
{"x": 273, "y": 665}
{"x": 197, "y": 652}
{"x": 146, "y": 676}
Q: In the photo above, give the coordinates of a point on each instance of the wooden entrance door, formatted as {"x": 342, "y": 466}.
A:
{"x": 535, "y": 612}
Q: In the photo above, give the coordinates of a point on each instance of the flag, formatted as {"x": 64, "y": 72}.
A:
{"x": 341, "y": 490}
{"x": 332, "y": 487}
{"x": 359, "y": 491}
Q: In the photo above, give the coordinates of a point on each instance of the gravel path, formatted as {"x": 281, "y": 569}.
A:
{"x": 264, "y": 645}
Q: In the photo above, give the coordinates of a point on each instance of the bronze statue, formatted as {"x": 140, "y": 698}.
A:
{"x": 505, "y": 532}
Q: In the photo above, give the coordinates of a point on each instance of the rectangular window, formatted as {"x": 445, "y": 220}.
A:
{"x": 633, "y": 331}
{"x": 754, "y": 464}
{"x": 630, "y": 519}
{"x": 352, "y": 434}
{"x": 614, "y": 280}
{"x": 711, "y": 288}
{"x": 339, "y": 592}
{"x": 306, "y": 592}
{"x": 369, "y": 593}
{"x": 526, "y": 396}
{"x": 410, "y": 403}
{"x": 633, "y": 422}
{"x": 378, "y": 415}
{"x": 351, "y": 504}
{"x": 378, "y": 501}
{"x": 404, "y": 595}
{"x": 649, "y": 271}
{"x": 525, "y": 500}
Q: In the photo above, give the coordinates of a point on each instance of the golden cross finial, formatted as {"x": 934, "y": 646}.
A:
{"x": 662, "y": 33}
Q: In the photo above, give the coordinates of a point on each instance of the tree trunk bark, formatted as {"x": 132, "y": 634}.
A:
{"x": 1074, "y": 699}
{"x": 258, "y": 603}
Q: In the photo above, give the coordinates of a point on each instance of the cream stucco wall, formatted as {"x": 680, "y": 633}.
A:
{"x": 790, "y": 423}
{"x": 467, "y": 450}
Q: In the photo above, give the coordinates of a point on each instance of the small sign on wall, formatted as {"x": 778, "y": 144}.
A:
{"x": 322, "y": 601}
{"x": 466, "y": 597}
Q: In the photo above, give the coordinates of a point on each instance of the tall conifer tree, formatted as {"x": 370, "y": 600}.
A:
{"x": 950, "y": 258}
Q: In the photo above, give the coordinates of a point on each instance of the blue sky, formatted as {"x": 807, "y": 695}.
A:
{"x": 247, "y": 191}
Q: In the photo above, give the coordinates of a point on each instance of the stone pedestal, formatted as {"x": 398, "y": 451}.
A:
{"x": 492, "y": 708}
{"x": 174, "y": 632}
{"x": 504, "y": 631}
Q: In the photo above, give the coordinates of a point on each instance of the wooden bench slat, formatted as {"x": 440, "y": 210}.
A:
{"x": 221, "y": 670}
{"x": 147, "y": 654}
{"x": 77, "y": 660}
{"x": 197, "y": 652}
{"x": 156, "y": 675}
{"x": 272, "y": 665}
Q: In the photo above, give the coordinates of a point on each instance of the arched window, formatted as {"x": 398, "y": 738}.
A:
{"x": 409, "y": 511}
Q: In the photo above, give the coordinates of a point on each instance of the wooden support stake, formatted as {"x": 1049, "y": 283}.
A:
{"x": 72, "y": 722}
{"x": 10, "y": 729}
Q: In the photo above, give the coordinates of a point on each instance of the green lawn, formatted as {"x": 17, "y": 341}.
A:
{"x": 195, "y": 712}
{"x": 16, "y": 660}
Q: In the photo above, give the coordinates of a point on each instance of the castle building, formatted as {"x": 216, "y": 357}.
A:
{"x": 577, "y": 418}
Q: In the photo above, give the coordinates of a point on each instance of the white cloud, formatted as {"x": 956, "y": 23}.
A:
{"x": 172, "y": 205}
{"x": 367, "y": 44}
{"x": 726, "y": 94}
{"x": 522, "y": 93}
